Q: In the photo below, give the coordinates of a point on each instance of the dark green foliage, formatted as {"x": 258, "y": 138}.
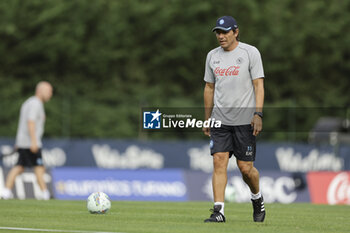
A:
{"x": 107, "y": 59}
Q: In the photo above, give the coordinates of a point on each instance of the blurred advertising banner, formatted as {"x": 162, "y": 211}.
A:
{"x": 281, "y": 187}
{"x": 173, "y": 185}
{"x": 26, "y": 185}
{"x": 189, "y": 155}
{"x": 146, "y": 185}
{"x": 329, "y": 187}
{"x": 76, "y": 183}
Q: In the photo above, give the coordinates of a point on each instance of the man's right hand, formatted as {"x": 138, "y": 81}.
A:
{"x": 206, "y": 131}
{"x": 34, "y": 148}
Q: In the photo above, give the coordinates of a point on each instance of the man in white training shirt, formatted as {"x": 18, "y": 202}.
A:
{"x": 234, "y": 94}
{"x": 28, "y": 140}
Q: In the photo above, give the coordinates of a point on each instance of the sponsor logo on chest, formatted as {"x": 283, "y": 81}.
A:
{"x": 226, "y": 72}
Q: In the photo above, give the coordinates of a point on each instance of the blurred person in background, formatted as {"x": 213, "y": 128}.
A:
{"x": 28, "y": 140}
{"x": 234, "y": 94}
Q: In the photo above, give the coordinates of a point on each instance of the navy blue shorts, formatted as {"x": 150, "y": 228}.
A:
{"x": 237, "y": 140}
{"x": 28, "y": 159}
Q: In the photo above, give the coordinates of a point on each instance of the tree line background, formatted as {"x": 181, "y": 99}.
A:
{"x": 107, "y": 59}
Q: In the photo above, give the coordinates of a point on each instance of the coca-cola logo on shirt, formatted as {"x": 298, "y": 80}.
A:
{"x": 339, "y": 189}
{"x": 230, "y": 71}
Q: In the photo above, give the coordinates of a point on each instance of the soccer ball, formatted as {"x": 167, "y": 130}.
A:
{"x": 98, "y": 203}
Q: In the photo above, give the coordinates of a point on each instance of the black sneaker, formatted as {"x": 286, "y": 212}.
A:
{"x": 259, "y": 210}
{"x": 216, "y": 216}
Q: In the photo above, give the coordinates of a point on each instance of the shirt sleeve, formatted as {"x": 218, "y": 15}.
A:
{"x": 256, "y": 66}
{"x": 33, "y": 111}
{"x": 208, "y": 75}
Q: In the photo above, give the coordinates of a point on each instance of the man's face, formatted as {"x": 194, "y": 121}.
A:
{"x": 47, "y": 93}
{"x": 227, "y": 40}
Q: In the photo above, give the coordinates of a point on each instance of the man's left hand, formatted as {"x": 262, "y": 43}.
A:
{"x": 256, "y": 124}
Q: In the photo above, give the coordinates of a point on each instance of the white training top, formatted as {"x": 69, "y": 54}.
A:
{"x": 233, "y": 72}
{"x": 32, "y": 109}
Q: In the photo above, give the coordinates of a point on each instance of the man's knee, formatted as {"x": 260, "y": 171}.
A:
{"x": 39, "y": 169}
{"x": 220, "y": 160}
{"x": 245, "y": 167}
{"x": 17, "y": 169}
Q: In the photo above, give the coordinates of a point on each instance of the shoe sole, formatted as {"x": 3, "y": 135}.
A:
{"x": 259, "y": 218}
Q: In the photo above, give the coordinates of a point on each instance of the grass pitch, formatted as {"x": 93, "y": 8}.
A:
{"x": 172, "y": 217}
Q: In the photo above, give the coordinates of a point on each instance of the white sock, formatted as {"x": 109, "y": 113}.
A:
{"x": 222, "y": 206}
{"x": 6, "y": 193}
{"x": 45, "y": 194}
{"x": 255, "y": 196}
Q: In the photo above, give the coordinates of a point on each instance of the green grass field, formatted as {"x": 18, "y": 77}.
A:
{"x": 163, "y": 217}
